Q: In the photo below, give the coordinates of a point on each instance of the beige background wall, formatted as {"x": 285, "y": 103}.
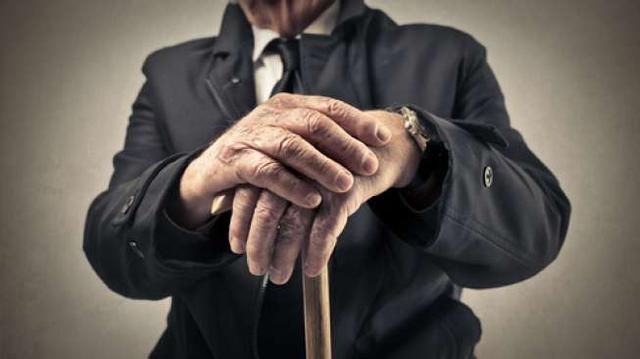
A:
{"x": 70, "y": 69}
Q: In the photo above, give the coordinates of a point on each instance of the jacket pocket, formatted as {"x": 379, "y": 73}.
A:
{"x": 448, "y": 329}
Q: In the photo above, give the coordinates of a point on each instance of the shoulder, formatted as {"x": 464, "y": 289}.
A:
{"x": 185, "y": 56}
{"x": 423, "y": 37}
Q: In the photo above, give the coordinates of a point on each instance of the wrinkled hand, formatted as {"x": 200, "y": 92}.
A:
{"x": 273, "y": 231}
{"x": 279, "y": 144}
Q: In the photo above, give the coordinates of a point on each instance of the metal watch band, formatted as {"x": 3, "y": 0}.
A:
{"x": 415, "y": 129}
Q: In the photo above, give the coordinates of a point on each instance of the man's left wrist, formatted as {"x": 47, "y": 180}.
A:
{"x": 409, "y": 162}
{"x": 415, "y": 140}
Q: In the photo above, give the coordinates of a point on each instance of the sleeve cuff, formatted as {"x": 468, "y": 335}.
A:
{"x": 416, "y": 223}
{"x": 207, "y": 246}
{"x": 169, "y": 250}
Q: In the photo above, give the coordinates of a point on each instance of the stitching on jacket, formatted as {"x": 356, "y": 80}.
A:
{"x": 502, "y": 244}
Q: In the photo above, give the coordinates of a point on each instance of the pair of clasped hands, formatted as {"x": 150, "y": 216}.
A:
{"x": 296, "y": 168}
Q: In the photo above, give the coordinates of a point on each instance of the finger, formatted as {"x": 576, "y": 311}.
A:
{"x": 262, "y": 234}
{"x": 262, "y": 171}
{"x": 326, "y": 227}
{"x": 331, "y": 139}
{"x": 357, "y": 123}
{"x": 298, "y": 154}
{"x": 244, "y": 202}
{"x": 295, "y": 225}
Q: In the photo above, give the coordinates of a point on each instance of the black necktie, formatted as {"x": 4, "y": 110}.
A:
{"x": 281, "y": 328}
{"x": 290, "y": 55}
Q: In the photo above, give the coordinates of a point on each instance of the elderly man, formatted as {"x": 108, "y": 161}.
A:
{"x": 383, "y": 151}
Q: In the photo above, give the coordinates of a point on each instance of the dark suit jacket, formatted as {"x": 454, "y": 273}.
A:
{"x": 395, "y": 268}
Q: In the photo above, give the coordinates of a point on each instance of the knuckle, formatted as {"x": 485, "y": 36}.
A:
{"x": 335, "y": 107}
{"x": 230, "y": 151}
{"x": 323, "y": 245}
{"x": 316, "y": 123}
{"x": 246, "y": 166}
{"x": 295, "y": 214}
{"x": 268, "y": 168}
{"x": 290, "y": 226}
{"x": 279, "y": 99}
{"x": 244, "y": 198}
{"x": 242, "y": 206}
{"x": 287, "y": 227}
{"x": 294, "y": 186}
{"x": 254, "y": 250}
{"x": 265, "y": 215}
{"x": 317, "y": 242}
{"x": 328, "y": 227}
{"x": 290, "y": 146}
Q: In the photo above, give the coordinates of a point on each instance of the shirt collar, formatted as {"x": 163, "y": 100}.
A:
{"x": 322, "y": 25}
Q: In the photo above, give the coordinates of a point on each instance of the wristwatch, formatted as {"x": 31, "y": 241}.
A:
{"x": 414, "y": 128}
{"x": 432, "y": 158}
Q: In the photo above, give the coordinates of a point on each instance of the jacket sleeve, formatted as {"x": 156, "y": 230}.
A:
{"x": 501, "y": 216}
{"x": 130, "y": 241}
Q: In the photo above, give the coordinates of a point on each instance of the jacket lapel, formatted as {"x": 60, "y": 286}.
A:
{"x": 328, "y": 70}
{"x": 336, "y": 66}
{"x": 326, "y": 64}
{"x": 230, "y": 78}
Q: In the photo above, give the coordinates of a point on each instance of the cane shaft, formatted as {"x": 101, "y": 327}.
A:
{"x": 317, "y": 322}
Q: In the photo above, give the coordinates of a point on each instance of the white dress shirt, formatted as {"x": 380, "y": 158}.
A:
{"x": 268, "y": 66}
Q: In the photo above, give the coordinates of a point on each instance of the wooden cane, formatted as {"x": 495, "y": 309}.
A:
{"x": 317, "y": 319}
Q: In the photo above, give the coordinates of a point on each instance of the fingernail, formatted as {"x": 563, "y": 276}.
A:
{"x": 257, "y": 270}
{"x": 344, "y": 181}
{"x": 369, "y": 164}
{"x": 309, "y": 271}
{"x": 313, "y": 199}
{"x": 275, "y": 275}
{"x": 383, "y": 133}
{"x": 237, "y": 246}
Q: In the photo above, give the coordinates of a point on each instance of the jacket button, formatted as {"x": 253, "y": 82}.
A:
{"x": 134, "y": 247}
{"x": 487, "y": 176}
{"x": 128, "y": 204}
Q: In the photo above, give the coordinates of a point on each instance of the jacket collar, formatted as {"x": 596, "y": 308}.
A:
{"x": 230, "y": 77}
{"x": 235, "y": 31}
{"x": 350, "y": 9}
{"x": 322, "y": 25}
